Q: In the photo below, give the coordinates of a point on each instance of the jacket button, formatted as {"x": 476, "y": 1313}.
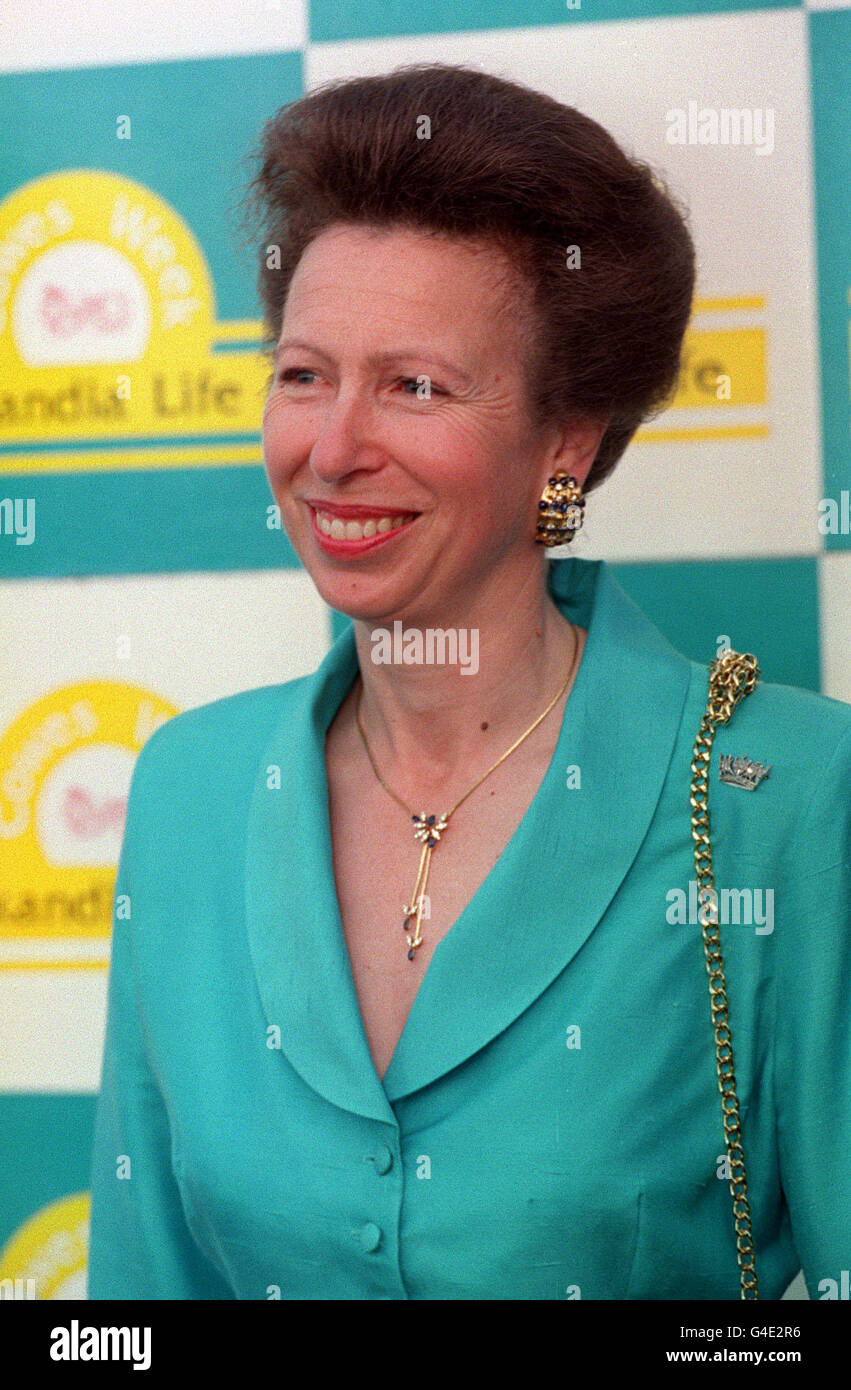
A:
{"x": 383, "y": 1159}
{"x": 370, "y": 1236}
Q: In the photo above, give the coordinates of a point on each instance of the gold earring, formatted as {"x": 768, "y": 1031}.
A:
{"x": 561, "y": 510}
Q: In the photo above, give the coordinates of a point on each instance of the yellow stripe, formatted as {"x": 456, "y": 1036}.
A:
{"x": 708, "y": 432}
{"x": 91, "y": 461}
{"x": 238, "y": 331}
{"x": 736, "y": 301}
{"x": 54, "y": 964}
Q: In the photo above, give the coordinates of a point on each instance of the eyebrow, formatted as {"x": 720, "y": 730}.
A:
{"x": 377, "y": 359}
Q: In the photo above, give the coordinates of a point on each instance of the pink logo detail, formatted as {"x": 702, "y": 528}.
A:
{"x": 108, "y": 312}
{"x": 85, "y": 818}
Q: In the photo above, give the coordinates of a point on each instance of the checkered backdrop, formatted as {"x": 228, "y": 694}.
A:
{"x": 138, "y": 573}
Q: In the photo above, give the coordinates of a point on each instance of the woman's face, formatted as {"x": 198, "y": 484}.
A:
{"x": 397, "y": 391}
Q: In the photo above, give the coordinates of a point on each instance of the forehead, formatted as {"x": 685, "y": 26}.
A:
{"x": 381, "y": 275}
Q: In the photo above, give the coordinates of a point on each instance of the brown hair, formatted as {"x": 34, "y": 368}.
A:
{"x": 511, "y": 166}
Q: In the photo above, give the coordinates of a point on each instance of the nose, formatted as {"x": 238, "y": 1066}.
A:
{"x": 346, "y": 440}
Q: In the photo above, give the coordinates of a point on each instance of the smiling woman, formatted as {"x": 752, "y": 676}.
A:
{"x": 401, "y": 1011}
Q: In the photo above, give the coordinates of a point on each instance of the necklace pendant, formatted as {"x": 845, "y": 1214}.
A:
{"x": 427, "y": 829}
{"x": 415, "y": 940}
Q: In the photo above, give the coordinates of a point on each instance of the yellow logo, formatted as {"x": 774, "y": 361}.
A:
{"x": 107, "y": 334}
{"x": 65, "y": 768}
{"x": 722, "y": 391}
{"x": 47, "y": 1257}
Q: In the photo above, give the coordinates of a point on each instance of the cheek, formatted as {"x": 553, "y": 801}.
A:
{"x": 280, "y": 443}
{"x": 462, "y": 458}
{"x": 485, "y": 455}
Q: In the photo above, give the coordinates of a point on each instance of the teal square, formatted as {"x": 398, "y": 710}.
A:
{"x": 146, "y": 521}
{"x": 335, "y": 20}
{"x": 767, "y": 607}
{"x": 830, "y": 64}
{"x": 45, "y": 1155}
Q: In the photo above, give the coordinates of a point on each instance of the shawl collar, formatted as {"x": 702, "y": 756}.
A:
{"x": 516, "y": 934}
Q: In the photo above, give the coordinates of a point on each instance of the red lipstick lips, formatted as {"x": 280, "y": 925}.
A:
{"x": 347, "y": 549}
{"x": 355, "y": 510}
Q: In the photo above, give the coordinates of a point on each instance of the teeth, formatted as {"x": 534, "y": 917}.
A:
{"x": 340, "y": 530}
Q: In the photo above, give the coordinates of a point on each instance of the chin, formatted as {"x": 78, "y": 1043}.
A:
{"x": 360, "y": 593}
{"x": 357, "y": 598}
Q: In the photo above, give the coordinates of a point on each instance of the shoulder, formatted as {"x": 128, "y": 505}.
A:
{"x": 788, "y": 714}
{"x": 801, "y": 808}
{"x": 222, "y": 739}
{"x": 812, "y": 731}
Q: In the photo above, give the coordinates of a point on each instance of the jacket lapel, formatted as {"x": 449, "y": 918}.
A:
{"x": 292, "y": 916}
{"x": 541, "y": 901}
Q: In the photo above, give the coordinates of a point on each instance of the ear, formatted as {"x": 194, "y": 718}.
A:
{"x": 573, "y": 448}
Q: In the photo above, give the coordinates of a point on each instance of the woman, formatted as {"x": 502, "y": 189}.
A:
{"x": 408, "y": 998}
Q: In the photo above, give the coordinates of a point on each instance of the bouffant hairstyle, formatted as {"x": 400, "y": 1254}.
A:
{"x": 593, "y": 233}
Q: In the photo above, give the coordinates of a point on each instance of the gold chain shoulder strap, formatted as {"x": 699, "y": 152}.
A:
{"x": 732, "y": 676}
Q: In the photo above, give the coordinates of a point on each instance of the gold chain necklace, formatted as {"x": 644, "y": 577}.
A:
{"x": 429, "y": 828}
{"x": 732, "y": 676}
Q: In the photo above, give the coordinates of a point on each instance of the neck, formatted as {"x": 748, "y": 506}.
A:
{"x": 430, "y": 723}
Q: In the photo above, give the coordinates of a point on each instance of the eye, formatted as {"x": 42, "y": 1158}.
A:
{"x": 290, "y": 373}
{"x": 413, "y": 381}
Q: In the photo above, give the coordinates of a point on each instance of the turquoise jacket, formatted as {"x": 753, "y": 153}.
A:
{"x": 550, "y": 1124}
